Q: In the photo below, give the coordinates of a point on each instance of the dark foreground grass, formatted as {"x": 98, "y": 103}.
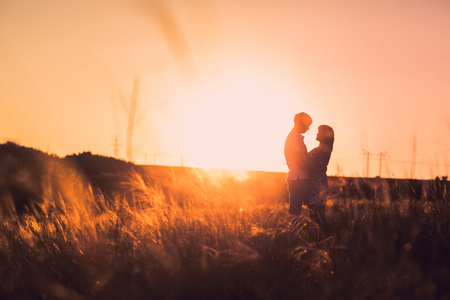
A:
{"x": 213, "y": 240}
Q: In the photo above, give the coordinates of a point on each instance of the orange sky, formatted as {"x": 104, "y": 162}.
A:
{"x": 220, "y": 81}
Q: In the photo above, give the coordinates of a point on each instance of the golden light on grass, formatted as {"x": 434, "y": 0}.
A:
{"x": 212, "y": 234}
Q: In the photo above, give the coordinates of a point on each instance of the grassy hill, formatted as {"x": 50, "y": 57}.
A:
{"x": 25, "y": 173}
{"x": 92, "y": 227}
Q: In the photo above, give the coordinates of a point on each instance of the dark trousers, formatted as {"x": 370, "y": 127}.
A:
{"x": 298, "y": 191}
{"x": 317, "y": 214}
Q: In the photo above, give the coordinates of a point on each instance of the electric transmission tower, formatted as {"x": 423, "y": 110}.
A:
{"x": 116, "y": 147}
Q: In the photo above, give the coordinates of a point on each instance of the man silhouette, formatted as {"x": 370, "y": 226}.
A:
{"x": 295, "y": 153}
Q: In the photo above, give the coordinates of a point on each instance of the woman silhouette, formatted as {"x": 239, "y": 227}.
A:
{"x": 318, "y": 182}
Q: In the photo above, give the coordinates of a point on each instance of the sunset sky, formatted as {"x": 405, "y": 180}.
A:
{"x": 221, "y": 80}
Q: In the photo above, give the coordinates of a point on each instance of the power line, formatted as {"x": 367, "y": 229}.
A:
{"x": 420, "y": 163}
{"x": 368, "y": 155}
{"x": 382, "y": 155}
{"x": 399, "y": 145}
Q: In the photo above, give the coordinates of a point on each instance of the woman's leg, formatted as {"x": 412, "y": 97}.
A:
{"x": 317, "y": 214}
{"x": 323, "y": 218}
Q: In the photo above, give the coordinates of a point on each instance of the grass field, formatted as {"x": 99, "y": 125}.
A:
{"x": 168, "y": 233}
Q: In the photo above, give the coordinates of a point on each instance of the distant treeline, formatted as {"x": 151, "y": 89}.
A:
{"x": 27, "y": 174}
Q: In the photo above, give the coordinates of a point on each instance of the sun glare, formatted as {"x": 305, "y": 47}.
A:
{"x": 239, "y": 122}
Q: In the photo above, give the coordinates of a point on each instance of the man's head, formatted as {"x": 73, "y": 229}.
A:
{"x": 302, "y": 121}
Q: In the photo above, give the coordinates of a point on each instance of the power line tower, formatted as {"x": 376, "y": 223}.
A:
{"x": 153, "y": 155}
{"x": 116, "y": 147}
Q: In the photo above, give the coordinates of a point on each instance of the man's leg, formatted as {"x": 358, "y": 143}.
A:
{"x": 298, "y": 191}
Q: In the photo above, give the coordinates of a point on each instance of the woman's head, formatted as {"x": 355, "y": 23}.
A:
{"x": 326, "y": 136}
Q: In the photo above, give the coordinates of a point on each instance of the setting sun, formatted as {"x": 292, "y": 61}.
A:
{"x": 220, "y": 82}
{"x": 238, "y": 122}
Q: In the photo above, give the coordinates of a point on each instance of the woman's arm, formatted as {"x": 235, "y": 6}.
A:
{"x": 317, "y": 160}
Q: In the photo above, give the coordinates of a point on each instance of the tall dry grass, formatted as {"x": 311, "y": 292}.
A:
{"x": 214, "y": 236}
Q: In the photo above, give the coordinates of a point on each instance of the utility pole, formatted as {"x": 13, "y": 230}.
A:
{"x": 414, "y": 154}
{"x": 368, "y": 154}
{"x": 381, "y": 160}
{"x": 154, "y": 158}
{"x": 365, "y": 152}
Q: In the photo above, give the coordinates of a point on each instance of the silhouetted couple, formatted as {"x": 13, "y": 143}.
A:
{"x": 307, "y": 179}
